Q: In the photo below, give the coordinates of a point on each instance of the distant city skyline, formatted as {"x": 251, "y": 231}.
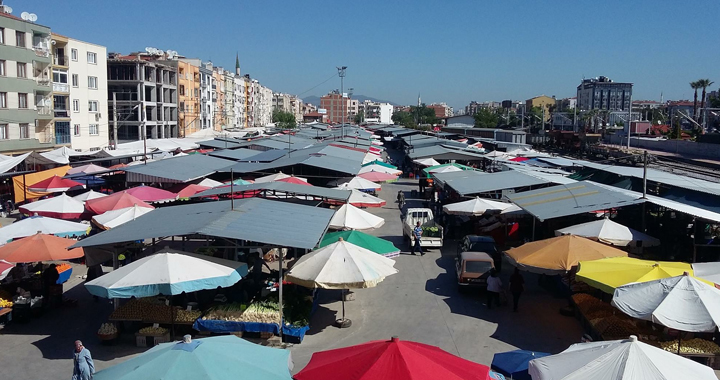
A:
{"x": 448, "y": 52}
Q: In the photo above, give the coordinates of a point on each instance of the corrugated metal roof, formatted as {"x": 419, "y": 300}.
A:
{"x": 477, "y": 182}
{"x": 338, "y": 164}
{"x": 577, "y": 198}
{"x": 294, "y": 189}
{"x": 176, "y": 169}
{"x": 234, "y": 154}
{"x": 442, "y": 153}
{"x": 221, "y": 144}
{"x": 658, "y": 176}
{"x": 254, "y": 219}
{"x": 266, "y": 156}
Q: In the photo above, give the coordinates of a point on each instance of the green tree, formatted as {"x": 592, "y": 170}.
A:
{"x": 704, "y": 83}
{"x": 360, "y": 117}
{"x": 424, "y": 115}
{"x": 486, "y": 118}
{"x": 284, "y": 120}
{"x": 695, "y": 86}
{"x": 404, "y": 118}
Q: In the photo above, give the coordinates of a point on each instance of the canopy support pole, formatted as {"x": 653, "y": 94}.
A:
{"x": 280, "y": 293}
{"x": 533, "y": 230}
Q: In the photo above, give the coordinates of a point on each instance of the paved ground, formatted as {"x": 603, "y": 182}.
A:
{"x": 419, "y": 303}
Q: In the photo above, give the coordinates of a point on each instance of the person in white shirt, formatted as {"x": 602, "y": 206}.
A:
{"x": 494, "y": 287}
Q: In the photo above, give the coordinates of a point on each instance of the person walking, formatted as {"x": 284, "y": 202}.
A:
{"x": 401, "y": 199}
{"x": 417, "y": 234}
{"x": 494, "y": 287}
{"x": 83, "y": 365}
{"x": 517, "y": 286}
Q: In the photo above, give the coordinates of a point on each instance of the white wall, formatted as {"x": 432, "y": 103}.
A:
{"x": 386, "y": 111}
{"x": 83, "y": 94}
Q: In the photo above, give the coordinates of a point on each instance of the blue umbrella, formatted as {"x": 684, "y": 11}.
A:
{"x": 219, "y": 357}
{"x": 515, "y": 363}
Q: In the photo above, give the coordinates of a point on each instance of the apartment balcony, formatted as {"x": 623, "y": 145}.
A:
{"x": 41, "y": 47}
{"x": 60, "y": 60}
{"x": 60, "y": 87}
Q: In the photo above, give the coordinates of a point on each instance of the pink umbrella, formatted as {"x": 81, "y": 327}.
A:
{"x": 86, "y": 169}
{"x": 54, "y": 184}
{"x": 378, "y": 176}
{"x": 294, "y": 180}
{"x": 114, "y": 202}
{"x": 151, "y": 194}
{"x": 188, "y": 190}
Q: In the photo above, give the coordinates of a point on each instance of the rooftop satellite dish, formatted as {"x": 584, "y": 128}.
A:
{"x": 25, "y": 16}
{"x": 33, "y": 17}
{"x": 6, "y": 8}
{"x": 149, "y": 50}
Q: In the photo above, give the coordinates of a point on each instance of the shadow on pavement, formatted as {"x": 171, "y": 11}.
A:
{"x": 321, "y": 319}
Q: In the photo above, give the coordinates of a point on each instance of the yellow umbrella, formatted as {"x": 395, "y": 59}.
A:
{"x": 559, "y": 254}
{"x": 608, "y": 274}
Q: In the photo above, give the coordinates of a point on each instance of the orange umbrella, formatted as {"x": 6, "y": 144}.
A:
{"x": 39, "y": 247}
{"x": 559, "y": 254}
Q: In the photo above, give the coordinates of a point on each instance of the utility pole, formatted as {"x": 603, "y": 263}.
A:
{"x": 143, "y": 129}
{"x": 628, "y": 135}
{"x": 644, "y": 196}
{"x": 115, "y": 121}
{"x": 341, "y": 74}
{"x": 575, "y": 117}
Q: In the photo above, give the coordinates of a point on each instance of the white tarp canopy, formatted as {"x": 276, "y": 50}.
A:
{"x": 429, "y": 161}
{"x": 683, "y": 303}
{"x": 168, "y": 273}
{"x": 707, "y": 271}
{"x": 446, "y": 169}
{"x": 61, "y": 206}
{"x": 360, "y": 199}
{"x": 351, "y": 217}
{"x": 113, "y": 218}
{"x": 609, "y": 232}
{"x": 207, "y": 182}
{"x": 8, "y": 163}
{"x": 92, "y": 194}
{"x": 358, "y": 183}
{"x": 57, "y": 156}
{"x": 475, "y": 207}
{"x": 627, "y": 359}
{"x": 380, "y": 169}
{"x": 276, "y": 177}
{"x": 341, "y": 265}
{"x": 51, "y": 226}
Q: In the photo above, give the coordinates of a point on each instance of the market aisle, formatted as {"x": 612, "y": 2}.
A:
{"x": 421, "y": 303}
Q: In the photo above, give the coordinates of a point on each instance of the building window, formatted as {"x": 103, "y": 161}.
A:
{"x": 92, "y": 105}
{"x": 75, "y": 80}
{"x": 3, "y": 99}
{"x": 94, "y": 129}
{"x": 76, "y": 129}
{"x": 2, "y": 36}
{"x": 74, "y": 54}
{"x": 22, "y": 101}
{"x": 20, "y": 39}
{"x": 182, "y": 90}
{"x": 21, "y": 73}
{"x": 91, "y": 57}
{"x": 4, "y": 132}
{"x": 92, "y": 83}
{"x": 60, "y": 76}
{"x": 24, "y": 131}
{"x": 2, "y": 67}
{"x": 76, "y": 105}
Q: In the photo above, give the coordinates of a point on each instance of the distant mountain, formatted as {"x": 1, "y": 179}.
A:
{"x": 315, "y": 100}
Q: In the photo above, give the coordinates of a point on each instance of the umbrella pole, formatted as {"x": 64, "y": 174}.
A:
{"x": 343, "y": 322}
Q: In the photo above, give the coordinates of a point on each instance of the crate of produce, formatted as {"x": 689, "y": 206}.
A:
{"x": 151, "y": 336}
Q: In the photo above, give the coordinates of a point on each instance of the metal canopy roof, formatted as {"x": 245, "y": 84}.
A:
{"x": 176, "y": 169}
{"x": 279, "y": 186}
{"x": 266, "y": 156}
{"x": 337, "y": 159}
{"x": 474, "y": 182}
{"x": 577, "y": 198}
{"x": 440, "y": 152}
{"x": 234, "y": 154}
{"x": 221, "y": 144}
{"x": 253, "y": 219}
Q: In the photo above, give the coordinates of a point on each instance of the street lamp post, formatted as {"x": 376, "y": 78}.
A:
{"x": 341, "y": 74}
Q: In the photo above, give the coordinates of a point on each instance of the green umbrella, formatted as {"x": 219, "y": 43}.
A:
{"x": 381, "y": 163}
{"x": 364, "y": 240}
{"x": 459, "y": 166}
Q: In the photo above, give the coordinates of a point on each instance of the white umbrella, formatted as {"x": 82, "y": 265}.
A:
{"x": 426, "y": 161}
{"x": 609, "y": 232}
{"x": 89, "y": 195}
{"x": 627, "y": 359}
{"x": 275, "y": 177}
{"x": 341, "y": 265}
{"x": 113, "y": 218}
{"x": 61, "y": 206}
{"x": 683, "y": 303}
{"x": 475, "y": 207}
{"x": 379, "y": 168}
{"x": 210, "y": 183}
{"x": 360, "y": 199}
{"x": 513, "y": 210}
{"x": 358, "y": 183}
{"x": 51, "y": 226}
{"x": 707, "y": 271}
{"x": 5, "y": 268}
{"x": 351, "y": 217}
{"x": 446, "y": 169}
{"x": 168, "y": 273}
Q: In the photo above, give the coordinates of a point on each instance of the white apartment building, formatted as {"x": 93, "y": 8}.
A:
{"x": 208, "y": 96}
{"x": 239, "y": 104}
{"x": 377, "y": 113}
{"x": 262, "y": 105}
{"x": 87, "y": 72}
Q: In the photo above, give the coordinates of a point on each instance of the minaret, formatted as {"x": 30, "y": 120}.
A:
{"x": 237, "y": 64}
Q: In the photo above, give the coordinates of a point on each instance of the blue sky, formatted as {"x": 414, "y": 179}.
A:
{"x": 447, "y": 50}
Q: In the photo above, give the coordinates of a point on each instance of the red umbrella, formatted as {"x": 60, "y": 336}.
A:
{"x": 54, "y": 184}
{"x": 294, "y": 180}
{"x": 188, "y": 190}
{"x": 39, "y": 247}
{"x": 114, "y": 202}
{"x": 519, "y": 159}
{"x": 151, "y": 194}
{"x": 391, "y": 359}
{"x": 378, "y": 176}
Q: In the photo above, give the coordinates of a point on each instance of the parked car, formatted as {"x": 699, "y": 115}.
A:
{"x": 473, "y": 269}
{"x": 476, "y": 243}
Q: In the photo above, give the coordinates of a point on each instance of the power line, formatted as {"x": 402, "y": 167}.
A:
{"x": 320, "y": 84}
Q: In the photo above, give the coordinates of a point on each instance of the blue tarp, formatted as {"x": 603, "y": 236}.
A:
{"x": 64, "y": 276}
{"x": 217, "y": 326}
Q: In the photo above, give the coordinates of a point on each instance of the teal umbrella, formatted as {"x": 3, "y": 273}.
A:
{"x": 364, "y": 240}
{"x": 381, "y": 163}
{"x": 237, "y": 182}
{"x": 219, "y": 357}
{"x": 439, "y": 167}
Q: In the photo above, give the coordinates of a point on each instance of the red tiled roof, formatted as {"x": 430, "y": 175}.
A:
{"x": 8, "y": 15}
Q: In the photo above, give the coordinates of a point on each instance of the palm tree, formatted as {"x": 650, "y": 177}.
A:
{"x": 695, "y": 86}
{"x": 704, "y": 83}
